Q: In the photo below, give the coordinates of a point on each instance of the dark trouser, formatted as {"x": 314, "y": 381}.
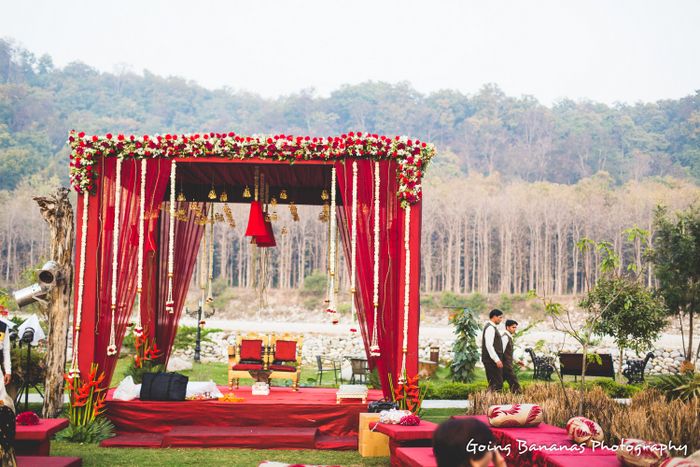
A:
{"x": 494, "y": 375}
{"x": 510, "y": 377}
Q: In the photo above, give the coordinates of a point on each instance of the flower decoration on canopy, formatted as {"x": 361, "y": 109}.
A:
{"x": 413, "y": 156}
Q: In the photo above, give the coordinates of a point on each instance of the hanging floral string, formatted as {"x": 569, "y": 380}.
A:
{"x": 169, "y": 302}
{"x": 331, "y": 250}
{"x": 203, "y": 268}
{"x": 210, "y": 262}
{"x": 353, "y": 242}
{"x": 112, "y": 347}
{"x": 74, "y": 370}
{"x": 406, "y": 290}
{"x": 138, "y": 328}
{"x": 374, "y": 345}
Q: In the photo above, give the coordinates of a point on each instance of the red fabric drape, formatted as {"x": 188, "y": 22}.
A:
{"x": 390, "y": 323}
{"x": 156, "y": 182}
{"x": 188, "y": 236}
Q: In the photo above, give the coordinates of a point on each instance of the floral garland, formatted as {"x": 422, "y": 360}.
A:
{"x": 138, "y": 328}
{"x": 331, "y": 251}
{"x": 406, "y": 291}
{"x": 413, "y": 156}
{"x": 169, "y": 301}
{"x": 112, "y": 347}
{"x": 374, "y": 345}
{"x": 353, "y": 243}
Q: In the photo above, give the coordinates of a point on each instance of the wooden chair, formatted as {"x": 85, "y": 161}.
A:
{"x": 285, "y": 358}
{"x": 249, "y": 354}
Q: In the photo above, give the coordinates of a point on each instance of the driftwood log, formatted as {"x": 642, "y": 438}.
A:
{"x": 57, "y": 211}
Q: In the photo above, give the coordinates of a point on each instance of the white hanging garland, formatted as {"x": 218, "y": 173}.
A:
{"x": 353, "y": 242}
{"x": 407, "y": 283}
{"x": 210, "y": 263}
{"x": 138, "y": 328}
{"x": 332, "y": 248}
{"x": 169, "y": 302}
{"x": 74, "y": 370}
{"x": 374, "y": 345}
{"x": 112, "y": 347}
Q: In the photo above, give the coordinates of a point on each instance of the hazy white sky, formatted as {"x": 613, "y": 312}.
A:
{"x": 605, "y": 50}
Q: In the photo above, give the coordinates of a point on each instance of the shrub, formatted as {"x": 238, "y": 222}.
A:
{"x": 428, "y": 301}
{"x": 186, "y": 336}
{"x": 683, "y": 386}
{"x": 616, "y": 390}
{"x": 92, "y": 433}
{"x": 314, "y": 284}
{"x": 466, "y": 351}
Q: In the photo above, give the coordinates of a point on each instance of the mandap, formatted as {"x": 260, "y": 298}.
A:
{"x": 142, "y": 215}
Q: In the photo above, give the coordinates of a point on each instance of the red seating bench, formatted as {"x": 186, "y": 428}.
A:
{"x": 47, "y": 461}
{"x": 415, "y": 457}
{"x": 405, "y": 436}
{"x": 35, "y": 440}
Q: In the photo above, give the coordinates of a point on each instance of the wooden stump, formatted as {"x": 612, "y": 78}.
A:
{"x": 58, "y": 214}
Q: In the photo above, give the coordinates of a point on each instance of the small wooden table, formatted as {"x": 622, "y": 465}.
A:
{"x": 405, "y": 436}
{"x": 35, "y": 440}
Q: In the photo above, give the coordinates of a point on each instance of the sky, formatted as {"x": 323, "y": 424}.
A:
{"x": 603, "y": 50}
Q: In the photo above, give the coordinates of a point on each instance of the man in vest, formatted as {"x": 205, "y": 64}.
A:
{"x": 492, "y": 351}
{"x": 508, "y": 373}
{"x": 5, "y": 349}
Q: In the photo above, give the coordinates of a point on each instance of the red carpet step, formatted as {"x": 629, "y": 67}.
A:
{"x": 134, "y": 440}
{"x": 237, "y": 437}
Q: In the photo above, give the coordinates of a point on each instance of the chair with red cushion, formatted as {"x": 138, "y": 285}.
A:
{"x": 285, "y": 358}
{"x": 247, "y": 355}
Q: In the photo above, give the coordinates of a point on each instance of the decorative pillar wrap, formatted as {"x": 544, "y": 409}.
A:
{"x": 74, "y": 371}
{"x": 169, "y": 302}
{"x": 112, "y": 347}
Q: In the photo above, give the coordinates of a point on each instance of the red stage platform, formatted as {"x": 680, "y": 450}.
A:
{"x": 307, "y": 419}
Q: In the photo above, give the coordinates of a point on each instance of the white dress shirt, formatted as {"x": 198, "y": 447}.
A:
{"x": 489, "y": 336}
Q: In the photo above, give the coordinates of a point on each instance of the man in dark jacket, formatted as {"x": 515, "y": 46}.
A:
{"x": 508, "y": 372}
{"x": 492, "y": 351}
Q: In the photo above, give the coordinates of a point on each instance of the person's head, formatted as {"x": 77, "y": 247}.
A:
{"x": 511, "y": 326}
{"x": 463, "y": 442}
{"x": 496, "y": 316}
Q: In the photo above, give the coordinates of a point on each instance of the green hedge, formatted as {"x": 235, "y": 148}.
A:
{"x": 453, "y": 391}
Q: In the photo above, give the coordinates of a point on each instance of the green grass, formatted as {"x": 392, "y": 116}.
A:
{"x": 95, "y": 456}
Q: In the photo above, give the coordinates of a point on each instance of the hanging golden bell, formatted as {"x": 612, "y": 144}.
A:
{"x": 273, "y": 216}
{"x": 283, "y": 194}
{"x": 223, "y": 197}
{"x": 246, "y": 192}
{"x": 324, "y": 195}
{"x": 181, "y": 197}
{"x": 212, "y": 193}
{"x": 273, "y": 201}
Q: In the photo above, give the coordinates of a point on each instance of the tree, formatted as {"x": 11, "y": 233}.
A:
{"x": 634, "y": 315}
{"x": 676, "y": 259}
{"x": 58, "y": 213}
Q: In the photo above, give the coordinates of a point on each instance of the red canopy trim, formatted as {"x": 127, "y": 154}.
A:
{"x": 413, "y": 156}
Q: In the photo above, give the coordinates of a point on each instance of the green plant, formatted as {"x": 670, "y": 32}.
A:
{"x": 37, "y": 368}
{"x": 186, "y": 336}
{"x": 505, "y": 303}
{"x": 466, "y": 351}
{"x": 682, "y": 386}
{"x": 87, "y": 396}
{"x": 92, "y": 433}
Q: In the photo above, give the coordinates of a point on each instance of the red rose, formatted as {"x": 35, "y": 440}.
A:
{"x": 109, "y": 135}
{"x": 81, "y": 134}
{"x": 120, "y": 137}
{"x": 94, "y": 138}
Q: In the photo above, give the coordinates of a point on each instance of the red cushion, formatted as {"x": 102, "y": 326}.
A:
{"x": 286, "y": 351}
{"x": 283, "y": 368}
{"x": 251, "y": 350}
{"x": 247, "y": 366}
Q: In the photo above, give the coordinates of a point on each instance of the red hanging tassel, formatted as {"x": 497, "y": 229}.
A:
{"x": 268, "y": 239}
{"x": 256, "y": 221}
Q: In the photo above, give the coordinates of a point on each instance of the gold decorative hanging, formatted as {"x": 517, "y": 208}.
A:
{"x": 273, "y": 216}
{"x": 210, "y": 262}
{"x": 293, "y": 211}
{"x": 223, "y": 197}
{"x": 246, "y": 192}
{"x": 283, "y": 194}
{"x": 229, "y": 216}
{"x": 324, "y": 195}
{"x": 324, "y": 216}
{"x": 181, "y": 197}
{"x": 212, "y": 193}
{"x": 284, "y": 230}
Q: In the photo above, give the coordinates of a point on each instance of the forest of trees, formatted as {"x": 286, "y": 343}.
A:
{"x": 514, "y": 186}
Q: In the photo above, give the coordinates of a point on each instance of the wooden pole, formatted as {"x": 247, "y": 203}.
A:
{"x": 58, "y": 214}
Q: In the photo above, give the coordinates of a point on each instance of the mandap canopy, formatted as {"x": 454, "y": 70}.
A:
{"x": 134, "y": 256}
